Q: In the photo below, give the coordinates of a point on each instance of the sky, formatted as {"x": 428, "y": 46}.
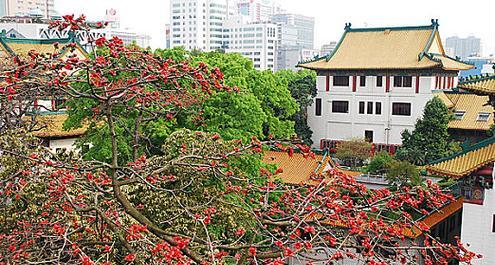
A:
{"x": 456, "y": 17}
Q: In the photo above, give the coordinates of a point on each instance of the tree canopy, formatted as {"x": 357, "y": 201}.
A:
{"x": 429, "y": 141}
{"x": 201, "y": 199}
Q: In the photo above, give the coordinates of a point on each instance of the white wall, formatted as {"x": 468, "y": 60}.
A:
{"x": 340, "y": 126}
{"x": 67, "y": 144}
{"x": 477, "y": 221}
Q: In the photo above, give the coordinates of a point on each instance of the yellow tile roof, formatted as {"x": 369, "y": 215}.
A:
{"x": 51, "y": 126}
{"x": 388, "y": 48}
{"x": 472, "y": 105}
{"x": 296, "y": 169}
{"x": 481, "y": 85}
{"x": 22, "y": 47}
{"x": 446, "y": 100}
{"x": 466, "y": 162}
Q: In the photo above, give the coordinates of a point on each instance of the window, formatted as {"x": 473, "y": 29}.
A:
{"x": 379, "y": 81}
{"x": 341, "y": 81}
{"x": 378, "y": 108}
{"x": 368, "y": 136}
{"x": 318, "y": 107}
{"x": 402, "y": 81}
{"x": 459, "y": 114}
{"x": 59, "y": 103}
{"x": 401, "y": 109}
{"x": 361, "y": 107}
{"x": 483, "y": 116}
{"x": 362, "y": 81}
{"x": 340, "y": 106}
{"x": 493, "y": 225}
{"x": 370, "y": 108}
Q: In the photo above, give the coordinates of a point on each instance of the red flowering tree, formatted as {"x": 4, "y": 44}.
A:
{"x": 203, "y": 200}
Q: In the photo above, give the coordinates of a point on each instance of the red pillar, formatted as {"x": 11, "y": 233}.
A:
{"x": 354, "y": 83}
{"x": 417, "y": 84}
{"x": 387, "y": 84}
{"x": 328, "y": 83}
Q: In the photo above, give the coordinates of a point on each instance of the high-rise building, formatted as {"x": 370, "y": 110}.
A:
{"x": 256, "y": 10}
{"x": 167, "y": 36}
{"x": 197, "y": 24}
{"x": 255, "y": 41}
{"x": 327, "y": 49}
{"x": 295, "y": 39}
{"x": 463, "y": 47}
{"x": 303, "y": 25}
{"x": 41, "y": 8}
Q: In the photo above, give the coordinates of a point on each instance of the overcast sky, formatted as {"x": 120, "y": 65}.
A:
{"x": 456, "y": 17}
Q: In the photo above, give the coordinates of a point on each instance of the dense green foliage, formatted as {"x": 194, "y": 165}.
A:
{"x": 379, "y": 163}
{"x": 266, "y": 104}
{"x": 429, "y": 140}
{"x": 402, "y": 173}
{"x": 303, "y": 90}
{"x": 353, "y": 152}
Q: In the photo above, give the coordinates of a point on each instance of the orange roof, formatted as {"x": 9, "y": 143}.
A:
{"x": 296, "y": 169}
{"x": 51, "y": 126}
{"x": 484, "y": 85}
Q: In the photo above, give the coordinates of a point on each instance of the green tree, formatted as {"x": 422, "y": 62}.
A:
{"x": 353, "y": 152}
{"x": 303, "y": 90}
{"x": 402, "y": 173}
{"x": 429, "y": 140}
{"x": 379, "y": 163}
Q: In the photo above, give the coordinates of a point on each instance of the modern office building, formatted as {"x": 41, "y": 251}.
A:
{"x": 327, "y": 49}
{"x": 256, "y": 10}
{"x": 256, "y": 41}
{"x": 42, "y": 8}
{"x": 197, "y": 24}
{"x": 463, "y": 47}
{"x": 290, "y": 57}
{"x": 304, "y": 27}
{"x": 35, "y": 28}
{"x": 376, "y": 83}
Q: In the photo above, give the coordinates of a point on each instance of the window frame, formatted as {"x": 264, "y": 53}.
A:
{"x": 369, "y": 107}
{"x": 335, "y": 108}
{"x": 487, "y": 114}
{"x": 400, "y": 81}
{"x": 337, "y": 81}
{"x": 406, "y": 114}
{"x": 362, "y": 81}
{"x": 318, "y": 107}
{"x": 379, "y": 81}
{"x": 378, "y": 108}
{"x": 459, "y": 115}
{"x": 362, "y": 107}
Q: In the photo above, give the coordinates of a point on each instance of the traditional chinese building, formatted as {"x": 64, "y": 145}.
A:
{"x": 473, "y": 117}
{"x": 49, "y": 122}
{"x": 444, "y": 222}
{"x": 376, "y": 82}
{"x": 473, "y": 168}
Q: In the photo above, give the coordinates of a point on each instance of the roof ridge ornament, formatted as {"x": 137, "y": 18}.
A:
{"x": 347, "y": 26}
{"x": 434, "y": 22}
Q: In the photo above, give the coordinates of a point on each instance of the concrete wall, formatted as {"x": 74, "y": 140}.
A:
{"x": 387, "y": 128}
{"x": 477, "y": 222}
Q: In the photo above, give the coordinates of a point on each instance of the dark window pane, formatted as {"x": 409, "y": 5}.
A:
{"x": 370, "y": 107}
{"x": 362, "y": 81}
{"x": 379, "y": 81}
{"x": 493, "y": 225}
{"x": 397, "y": 81}
{"x": 318, "y": 107}
{"x": 341, "y": 81}
{"x": 340, "y": 106}
{"x": 401, "y": 109}
{"x": 368, "y": 136}
{"x": 361, "y": 107}
{"x": 407, "y": 81}
{"x": 378, "y": 108}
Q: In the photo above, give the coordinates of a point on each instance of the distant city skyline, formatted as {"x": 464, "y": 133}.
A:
{"x": 150, "y": 16}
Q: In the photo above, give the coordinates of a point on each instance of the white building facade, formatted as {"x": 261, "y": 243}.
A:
{"x": 197, "y": 24}
{"x": 44, "y": 8}
{"x": 255, "y": 41}
{"x": 376, "y": 83}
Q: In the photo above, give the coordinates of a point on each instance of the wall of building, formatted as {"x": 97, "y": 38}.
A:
{"x": 387, "y": 128}
{"x": 477, "y": 228}
{"x": 60, "y": 144}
